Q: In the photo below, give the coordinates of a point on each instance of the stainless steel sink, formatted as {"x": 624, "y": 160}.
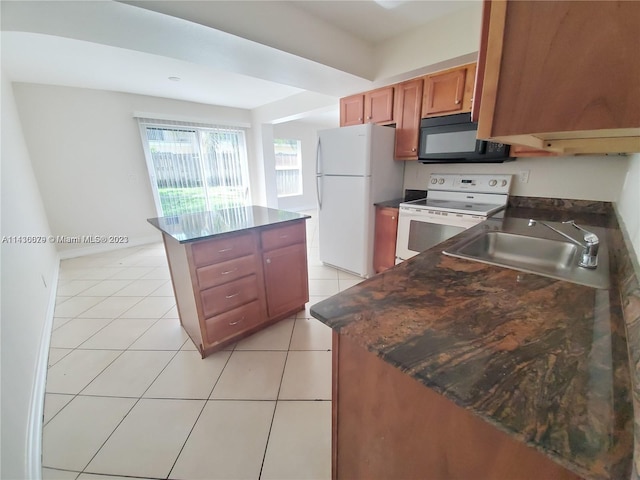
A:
{"x": 532, "y": 253}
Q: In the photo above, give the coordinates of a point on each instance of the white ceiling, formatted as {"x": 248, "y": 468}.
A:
{"x": 377, "y": 21}
{"x": 225, "y": 53}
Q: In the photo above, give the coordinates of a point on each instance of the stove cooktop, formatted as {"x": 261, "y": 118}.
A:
{"x": 456, "y": 206}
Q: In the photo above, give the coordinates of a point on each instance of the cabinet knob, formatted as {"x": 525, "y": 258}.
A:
{"x": 369, "y": 117}
{"x": 268, "y": 260}
{"x": 393, "y": 218}
{"x": 414, "y": 149}
{"x": 457, "y": 102}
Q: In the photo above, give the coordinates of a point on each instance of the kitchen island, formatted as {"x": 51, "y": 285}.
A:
{"x": 235, "y": 271}
{"x": 448, "y": 368}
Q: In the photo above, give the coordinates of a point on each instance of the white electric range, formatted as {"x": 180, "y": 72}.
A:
{"x": 454, "y": 203}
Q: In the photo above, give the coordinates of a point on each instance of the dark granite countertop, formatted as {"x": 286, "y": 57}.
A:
{"x": 395, "y": 203}
{"x": 197, "y": 226}
{"x": 544, "y": 360}
{"x": 408, "y": 196}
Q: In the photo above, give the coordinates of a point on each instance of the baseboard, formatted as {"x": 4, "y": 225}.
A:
{"x": 108, "y": 247}
{"x": 36, "y": 409}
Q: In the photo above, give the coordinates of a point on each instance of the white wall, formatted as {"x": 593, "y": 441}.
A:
{"x": 88, "y": 159}
{"x": 29, "y": 278}
{"x": 442, "y": 39}
{"x": 308, "y": 136}
{"x": 629, "y": 203}
{"x": 582, "y": 177}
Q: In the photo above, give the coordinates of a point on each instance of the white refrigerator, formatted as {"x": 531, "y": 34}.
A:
{"x": 354, "y": 169}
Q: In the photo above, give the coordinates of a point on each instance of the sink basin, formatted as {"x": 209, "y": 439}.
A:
{"x": 533, "y": 254}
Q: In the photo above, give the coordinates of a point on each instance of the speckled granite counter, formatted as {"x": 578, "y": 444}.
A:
{"x": 543, "y": 360}
{"x": 202, "y": 225}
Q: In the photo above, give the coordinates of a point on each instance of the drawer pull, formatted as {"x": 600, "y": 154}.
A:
{"x": 225, "y": 250}
{"x": 229, "y": 271}
{"x": 284, "y": 236}
{"x": 231, "y": 324}
{"x": 231, "y": 296}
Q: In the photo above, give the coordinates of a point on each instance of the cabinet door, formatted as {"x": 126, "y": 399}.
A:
{"x": 565, "y": 86}
{"x": 352, "y": 110}
{"x": 378, "y": 106}
{"x": 285, "y": 275}
{"x": 408, "y": 105}
{"x": 384, "y": 246}
{"x": 444, "y": 92}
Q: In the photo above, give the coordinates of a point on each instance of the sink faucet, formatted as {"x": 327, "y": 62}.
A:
{"x": 589, "y": 248}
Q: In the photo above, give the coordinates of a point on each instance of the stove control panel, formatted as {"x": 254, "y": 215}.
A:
{"x": 477, "y": 183}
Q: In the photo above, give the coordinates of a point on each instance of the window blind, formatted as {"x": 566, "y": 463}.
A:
{"x": 195, "y": 167}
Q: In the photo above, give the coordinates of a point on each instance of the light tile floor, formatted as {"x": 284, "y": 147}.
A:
{"x": 128, "y": 395}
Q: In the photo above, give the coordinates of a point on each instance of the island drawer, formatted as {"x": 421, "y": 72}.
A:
{"x": 231, "y": 295}
{"x": 233, "y": 322}
{"x": 218, "y": 250}
{"x": 219, "y": 273}
{"x": 283, "y": 236}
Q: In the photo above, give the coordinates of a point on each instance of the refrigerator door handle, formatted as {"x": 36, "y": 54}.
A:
{"x": 318, "y": 175}
{"x": 318, "y": 172}
{"x": 318, "y": 180}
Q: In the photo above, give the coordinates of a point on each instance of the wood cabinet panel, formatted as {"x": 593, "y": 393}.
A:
{"x": 352, "y": 110}
{"x": 384, "y": 244}
{"x": 387, "y": 425}
{"x": 536, "y": 93}
{"x": 224, "y": 272}
{"x": 522, "y": 151}
{"x": 444, "y": 92}
{"x": 449, "y": 92}
{"x": 407, "y": 114}
{"x": 229, "y": 296}
{"x": 283, "y": 236}
{"x": 286, "y": 279}
{"x": 378, "y": 106}
{"x": 233, "y": 322}
{"x": 207, "y": 252}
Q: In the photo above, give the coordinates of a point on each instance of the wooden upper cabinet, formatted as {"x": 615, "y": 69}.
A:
{"x": 375, "y": 106}
{"x": 562, "y": 76}
{"x": 378, "y": 106}
{"x": 449, "y": 92}
{"x": 352, "y": 110}
{"x": 407, "y": 114}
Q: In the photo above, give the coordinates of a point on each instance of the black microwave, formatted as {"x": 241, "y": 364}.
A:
{"x": 452, "y": 139}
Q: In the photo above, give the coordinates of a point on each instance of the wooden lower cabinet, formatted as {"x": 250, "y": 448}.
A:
{"x": 384, "y": 243}
{"x": 387, "y": 425}
{"x": 232, "y": 285}
{"x": 285, "y": 275}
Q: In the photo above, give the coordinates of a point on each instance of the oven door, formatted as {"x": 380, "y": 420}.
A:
{"x": 419, "y": 230}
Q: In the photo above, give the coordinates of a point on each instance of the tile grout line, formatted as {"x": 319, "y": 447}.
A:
{"x": 275, "y": 407}
{"x": 126, "y": 415}
{"x": 200, "y": 414}
{"x": 107, "y": 366}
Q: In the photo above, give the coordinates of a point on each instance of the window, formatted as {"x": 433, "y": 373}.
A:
{"x": 195, "y": 168}
{"x": 288, "y": 167}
